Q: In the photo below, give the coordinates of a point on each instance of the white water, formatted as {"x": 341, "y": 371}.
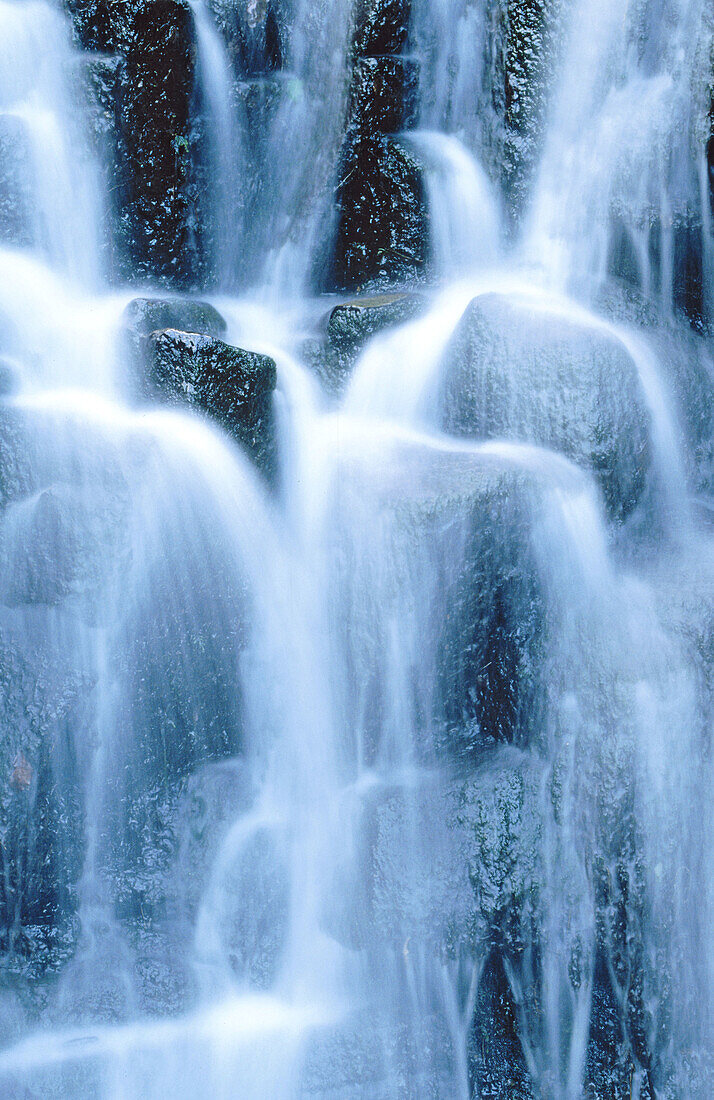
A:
{"x": 335, "y": 890}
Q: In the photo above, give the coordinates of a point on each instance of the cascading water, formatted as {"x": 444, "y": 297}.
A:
{"x": 387, "y": 774}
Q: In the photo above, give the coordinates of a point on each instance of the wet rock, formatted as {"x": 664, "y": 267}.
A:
{"x": 104, "y": 26}
{"x": 384, "y": 96}
{"x": 101, "y": 78}
{"x": 60, "y": 545}
{"x": 381, "y": 27}
{"x": 382, "y": 222}
{"x": 710, "y": 162}
{"x": 257, "y": 32}
{"x": 522, "y": 49}
{"x": 232, "y": 385}
{"x": 44, "y": 704}
{"x": 146, "y": 315}
{"x": 16, "y": 191}
{"x": 496, "y": 1062}
{"x": 470, "y": 601}
{"x": 254, "y": 906}
{"x": 688, "y": 273}
{"x": 259, "y": 99}
{"x": 513, "y": 371}
{"x": 9, "y": 377}
{"x": 350, "y": 325}
{"x": 158, "y": 143}
{"x": 211, "y": 802}
{"x": 499, "y": 812}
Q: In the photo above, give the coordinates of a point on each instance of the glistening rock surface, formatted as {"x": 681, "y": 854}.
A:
{"x": 233, "y": 385}
{"x": 521, "y": 371}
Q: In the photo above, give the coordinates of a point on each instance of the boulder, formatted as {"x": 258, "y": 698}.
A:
{"x": 521, "y": 372}
{"x": 382, "y": 222}
{"x": 146, "y": 315}
{"x": 381, "y": 27}
{"x": 348, "y": 328}
{"x": 351, "y": 324}
{"x": 232, "y": 385}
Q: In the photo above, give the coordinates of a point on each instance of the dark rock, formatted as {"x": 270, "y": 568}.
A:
{"x": 16, "y": 187}
{"x": 104, "y": 26}
{"x": 101, "y": 78}
{"x": 349, "y": 326}
{"x": 157, "y": 87}
{"x": 146, "y": 315}
{"x": 232, "y": 385}
{"x": 522, "y": 51}
{"x": 352, "y": 323}
{"x": 382, "y": 221}
{"x": 496, "y": 1061}
{"x": 516, "y": 372}
{"x": 257, "y": 32}
{"x": 259, "y": 100}
{"x": 688, "y": 273}
{"x": 381, "y": 27}
{"x": 384, "y": 94}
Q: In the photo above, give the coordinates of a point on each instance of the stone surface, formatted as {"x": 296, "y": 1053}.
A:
{"x": 146, "y": 315}
{"x": 382, "y": 222}
{"x": 523, "y": 48}
{"x": 384, "y": 96}
{"x": 257, "y": 32}
{"x": 519, "y": 372}
{"x": 469, "y": 601}
{"x": 381, "y": 27}
{"x": 232, "y": 385}
{"x": 348, "y": 327}
{"x": 159, "y": 202}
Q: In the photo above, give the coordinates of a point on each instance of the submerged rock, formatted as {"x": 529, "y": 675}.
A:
{"x": 232, "y": 385}
{"x": 58, "y": 545}
{"x": 44, "y": 702}
{"x": 445, "y": 552}
{"x": 513, "y": 371}
{"x": 16, "y": 191}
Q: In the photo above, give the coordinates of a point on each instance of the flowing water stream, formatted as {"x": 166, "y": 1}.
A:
{"x": 450, "y": 831}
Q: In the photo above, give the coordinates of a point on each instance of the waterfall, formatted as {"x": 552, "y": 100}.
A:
{"x": 380, "y": 767}
{"x": 227, "y": 159}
